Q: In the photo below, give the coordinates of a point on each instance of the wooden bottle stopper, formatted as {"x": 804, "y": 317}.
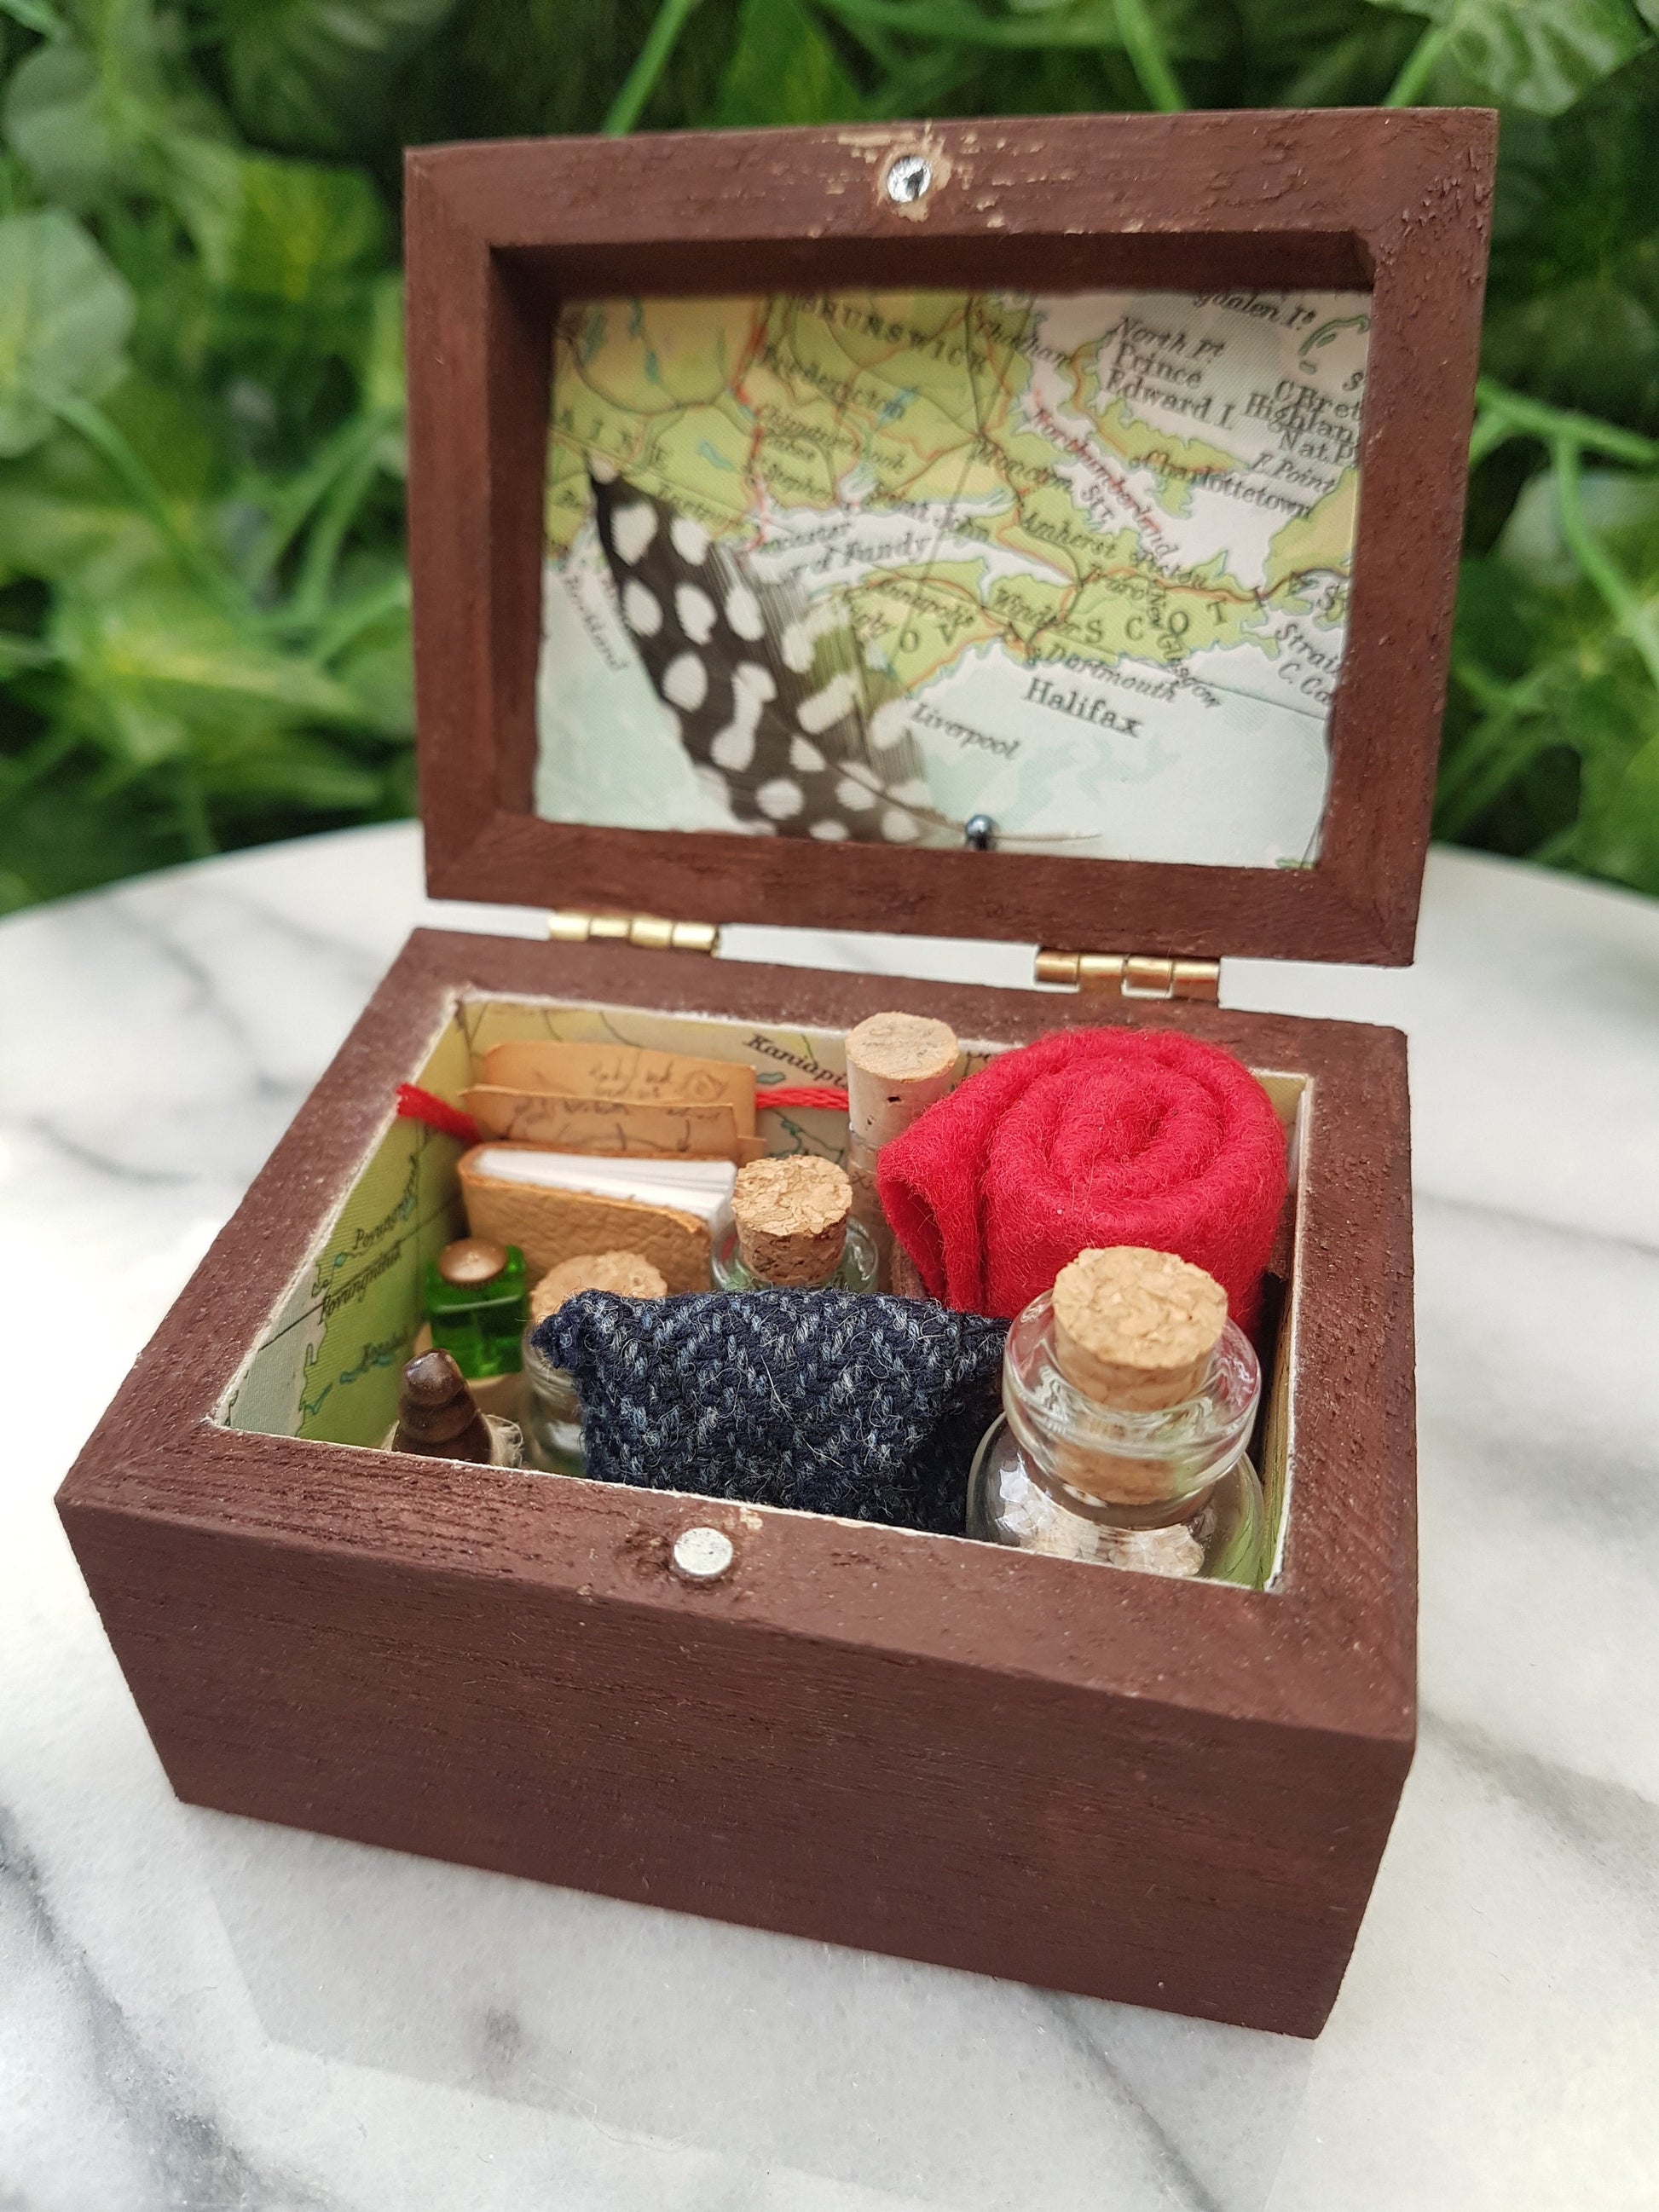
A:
{"x": 896, "y": 1066}
{"x": 1134, "y": 1329}
{"x": 436, "y": 1416}
{"x": 625, "y": 1272}
{"x": 792, "y": 1219}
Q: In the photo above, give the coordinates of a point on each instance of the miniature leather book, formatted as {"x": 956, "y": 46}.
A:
{"x": 555, "y": 1205}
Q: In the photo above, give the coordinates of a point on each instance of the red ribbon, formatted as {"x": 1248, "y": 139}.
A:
{"x": 414, "y": 1104}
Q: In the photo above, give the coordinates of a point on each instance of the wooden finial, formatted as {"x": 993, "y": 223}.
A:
{"x": 1134, "y": 1329}
{"x": 896, "y": 1066}
{"x": 436, "y": 1416}
{"x": 626, "y": 1273}
{"x": 792, "y": 1219}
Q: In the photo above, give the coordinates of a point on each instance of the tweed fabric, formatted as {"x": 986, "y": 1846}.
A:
{"x": 825, "y": 1400}
{"x": 1088, "y": 1138}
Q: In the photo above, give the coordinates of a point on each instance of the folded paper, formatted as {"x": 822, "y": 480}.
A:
{"x": 616, "y": 1100}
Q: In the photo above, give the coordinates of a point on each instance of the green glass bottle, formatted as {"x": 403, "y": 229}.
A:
{"x": 477, "y": 1304}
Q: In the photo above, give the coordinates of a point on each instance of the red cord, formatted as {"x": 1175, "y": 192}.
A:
{"x": 414, "y": 1104}
{"x": 808, "y": 1098}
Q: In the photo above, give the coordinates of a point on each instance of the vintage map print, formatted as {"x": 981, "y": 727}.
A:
{"x": 861, "y": 567}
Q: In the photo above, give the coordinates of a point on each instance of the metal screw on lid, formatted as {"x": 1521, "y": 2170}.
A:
{"x": 979, "y": 833}
{"x": 703, "y": 1554}
{"x": 472, "y": 1261}
{"x": 909, "y": 178}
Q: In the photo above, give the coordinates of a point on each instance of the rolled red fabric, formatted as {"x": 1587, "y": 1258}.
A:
{"x": 1088, "y": 1138}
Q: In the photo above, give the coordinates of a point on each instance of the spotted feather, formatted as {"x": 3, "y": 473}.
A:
{"x": 769, "y": 693}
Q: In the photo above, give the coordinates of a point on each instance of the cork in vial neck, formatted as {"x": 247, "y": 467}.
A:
{"x": 1134, "y": 1329}
{"x": 627, "y": 1274}
{"x": 791, "y": 1217}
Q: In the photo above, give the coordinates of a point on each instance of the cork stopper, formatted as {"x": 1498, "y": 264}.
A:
{"x": 436, "y": 1412}
{"x": 1134, "y": 1329}
{"x": 792, "y": 1219}
{"x": 625, "y": 1272}
{"x": 896, "y": 1066}
{"x": 472, "y": 1261}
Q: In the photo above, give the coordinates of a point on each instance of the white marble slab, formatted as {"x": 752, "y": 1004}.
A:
{"x": 198, "y": 2012}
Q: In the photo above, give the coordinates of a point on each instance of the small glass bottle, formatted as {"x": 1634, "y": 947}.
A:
{"x": 793, "y": 1231}
{"x": 552, "y": 1414}
{"x": 856, "y": 1269}
{"x": 1164, "y": 1489}
{"x": 477, "y": 1304}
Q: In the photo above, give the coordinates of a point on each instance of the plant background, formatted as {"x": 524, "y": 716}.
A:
{"x": 203, "y": 603}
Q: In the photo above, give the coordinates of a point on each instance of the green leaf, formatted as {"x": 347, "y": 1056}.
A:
{"x": 65, "y": 316}
{"x": 314, "y": 75}
{"x": 1621, "y": 508}
{"x": 274, "y": 229}
{"x": 783, "y": 70}
{"x": 304, "y": 770}
{"x": 36, "y": 15}
{"x": 1617, "y": 832}
{"x": 64, "y": 519}
{"x": 367, "y": 641}
{"x": 66, "y": 836}
{"x": 55, "y": 122}
{"x": 1573, "y": 303}
{"x": 68, "y": 517}
{"x": 157, "y": 665}
{"x": 382, "y": 367}
{"x": 1537, "y": 54}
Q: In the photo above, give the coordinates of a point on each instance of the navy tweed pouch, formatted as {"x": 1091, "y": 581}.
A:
{"x": 826, "y": 1401}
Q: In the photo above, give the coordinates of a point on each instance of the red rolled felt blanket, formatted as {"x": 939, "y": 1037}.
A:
{"x": 1088, "y": 1138}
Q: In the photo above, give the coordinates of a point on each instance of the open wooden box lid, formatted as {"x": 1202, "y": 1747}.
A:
{"x": 516, "y": 249}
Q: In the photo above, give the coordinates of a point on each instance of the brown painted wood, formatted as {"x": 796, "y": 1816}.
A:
{"x": 498, "y": 233}
{"x": 1175, "y": 1795}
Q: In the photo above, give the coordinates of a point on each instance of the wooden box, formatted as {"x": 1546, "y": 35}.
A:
{"x": 1172, "y": 1793}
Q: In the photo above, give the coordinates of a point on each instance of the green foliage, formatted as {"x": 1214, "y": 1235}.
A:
{"x": 203, "y": 603}
{"x": 1537, "y": 55}
{"x": 315, "y": 75}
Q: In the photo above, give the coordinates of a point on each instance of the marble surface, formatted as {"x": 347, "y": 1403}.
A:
{"x": 201, "y": 2012}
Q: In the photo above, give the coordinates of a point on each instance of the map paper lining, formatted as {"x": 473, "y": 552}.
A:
{"x": 1091, "y": 554}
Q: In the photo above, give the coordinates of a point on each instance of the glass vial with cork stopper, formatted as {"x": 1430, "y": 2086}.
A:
{"x": 1128, "y": 1398}
{"x": 476, "y": 1305}
{"x": 793, "y": 1230}
{"x": 897, "y": 1065}
{"x": 553, "y": 1412}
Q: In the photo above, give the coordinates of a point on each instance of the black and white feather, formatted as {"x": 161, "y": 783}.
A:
{"x": 769, "y": 694}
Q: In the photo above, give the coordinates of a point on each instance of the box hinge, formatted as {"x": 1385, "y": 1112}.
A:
{"x": 1131, "y": 975}
{"x": 565, "y": 926}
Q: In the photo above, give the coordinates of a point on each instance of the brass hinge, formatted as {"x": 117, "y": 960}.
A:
{"x": 1131, "y": 975}
{"x": 566, "y": 925}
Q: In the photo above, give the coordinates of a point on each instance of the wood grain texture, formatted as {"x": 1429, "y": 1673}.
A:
{"x": 1175, "y": 1795}
{"x": 499, "y": 233}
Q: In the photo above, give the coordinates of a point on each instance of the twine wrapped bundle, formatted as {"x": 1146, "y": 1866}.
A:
{"x": 1089, "y": 1139}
